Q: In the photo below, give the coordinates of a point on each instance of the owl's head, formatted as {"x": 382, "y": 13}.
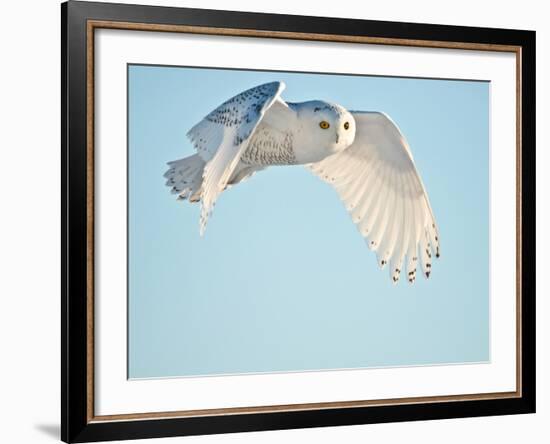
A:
{"x": 330, "y": 128}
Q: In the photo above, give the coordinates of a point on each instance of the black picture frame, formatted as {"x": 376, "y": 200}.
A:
{"x": 76, "y": 326}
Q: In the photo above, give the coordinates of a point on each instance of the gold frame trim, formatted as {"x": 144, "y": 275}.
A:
{"x": 95, "y": 24}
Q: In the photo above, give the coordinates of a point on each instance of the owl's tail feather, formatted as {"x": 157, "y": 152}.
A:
{"x": 184, "y": 177}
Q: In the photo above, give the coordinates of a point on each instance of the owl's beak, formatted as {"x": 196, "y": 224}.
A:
{"x": 337, "y": 138}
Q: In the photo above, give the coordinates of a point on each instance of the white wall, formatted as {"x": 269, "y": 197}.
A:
{"x": 30, "y": 207}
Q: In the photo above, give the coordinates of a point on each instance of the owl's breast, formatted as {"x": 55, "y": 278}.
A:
{"x": 269, "y": 147}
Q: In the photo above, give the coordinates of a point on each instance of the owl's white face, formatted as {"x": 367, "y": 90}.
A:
{"x": 324, "y": 129}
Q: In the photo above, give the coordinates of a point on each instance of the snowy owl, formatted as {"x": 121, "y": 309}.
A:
{"x": 362, "y": 154}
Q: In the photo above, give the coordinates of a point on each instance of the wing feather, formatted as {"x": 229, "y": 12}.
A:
{"x": 371, "y": 213}
{"x": 413, "y": 236}
{"x": 350, "y": 192}
{"x": 401, "y": 247}
{"x": 367, "y": 213}
{"x": 387, "y": 243}
{"x": 380, "y": 222}
{"x": 363, "y": 198}
{"x": 425, "y": 254}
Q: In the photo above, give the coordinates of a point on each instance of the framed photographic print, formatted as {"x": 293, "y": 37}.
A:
{"x": 371, "y": 257}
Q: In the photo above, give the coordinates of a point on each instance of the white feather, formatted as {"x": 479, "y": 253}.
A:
{"x": 388, "y": 202}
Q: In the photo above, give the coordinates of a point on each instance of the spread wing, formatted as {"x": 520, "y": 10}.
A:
{"x": 377, "y": 180}
{"x": 223, "y": 135}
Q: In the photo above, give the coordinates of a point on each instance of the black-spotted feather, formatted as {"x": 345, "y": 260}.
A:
{"x": 223, "y": 135}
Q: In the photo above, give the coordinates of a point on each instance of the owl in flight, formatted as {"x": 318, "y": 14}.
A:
{"x": 362, "y": 154}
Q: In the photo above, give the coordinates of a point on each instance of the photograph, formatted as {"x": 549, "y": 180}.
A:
{"x": 324, "y": 249}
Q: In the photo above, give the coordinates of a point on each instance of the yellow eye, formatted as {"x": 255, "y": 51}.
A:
{"x": 324, "y": 124}
{"x": 346, "y": 125}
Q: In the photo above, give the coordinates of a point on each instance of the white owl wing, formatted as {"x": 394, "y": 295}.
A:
{"x": 223, "y": 135}
{"x": 377, "y": 180}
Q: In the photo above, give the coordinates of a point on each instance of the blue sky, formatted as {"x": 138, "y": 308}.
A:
{"x": 282, "y": 280}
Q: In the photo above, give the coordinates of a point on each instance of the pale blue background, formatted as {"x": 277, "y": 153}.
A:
{"x": 282, "y": 280}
